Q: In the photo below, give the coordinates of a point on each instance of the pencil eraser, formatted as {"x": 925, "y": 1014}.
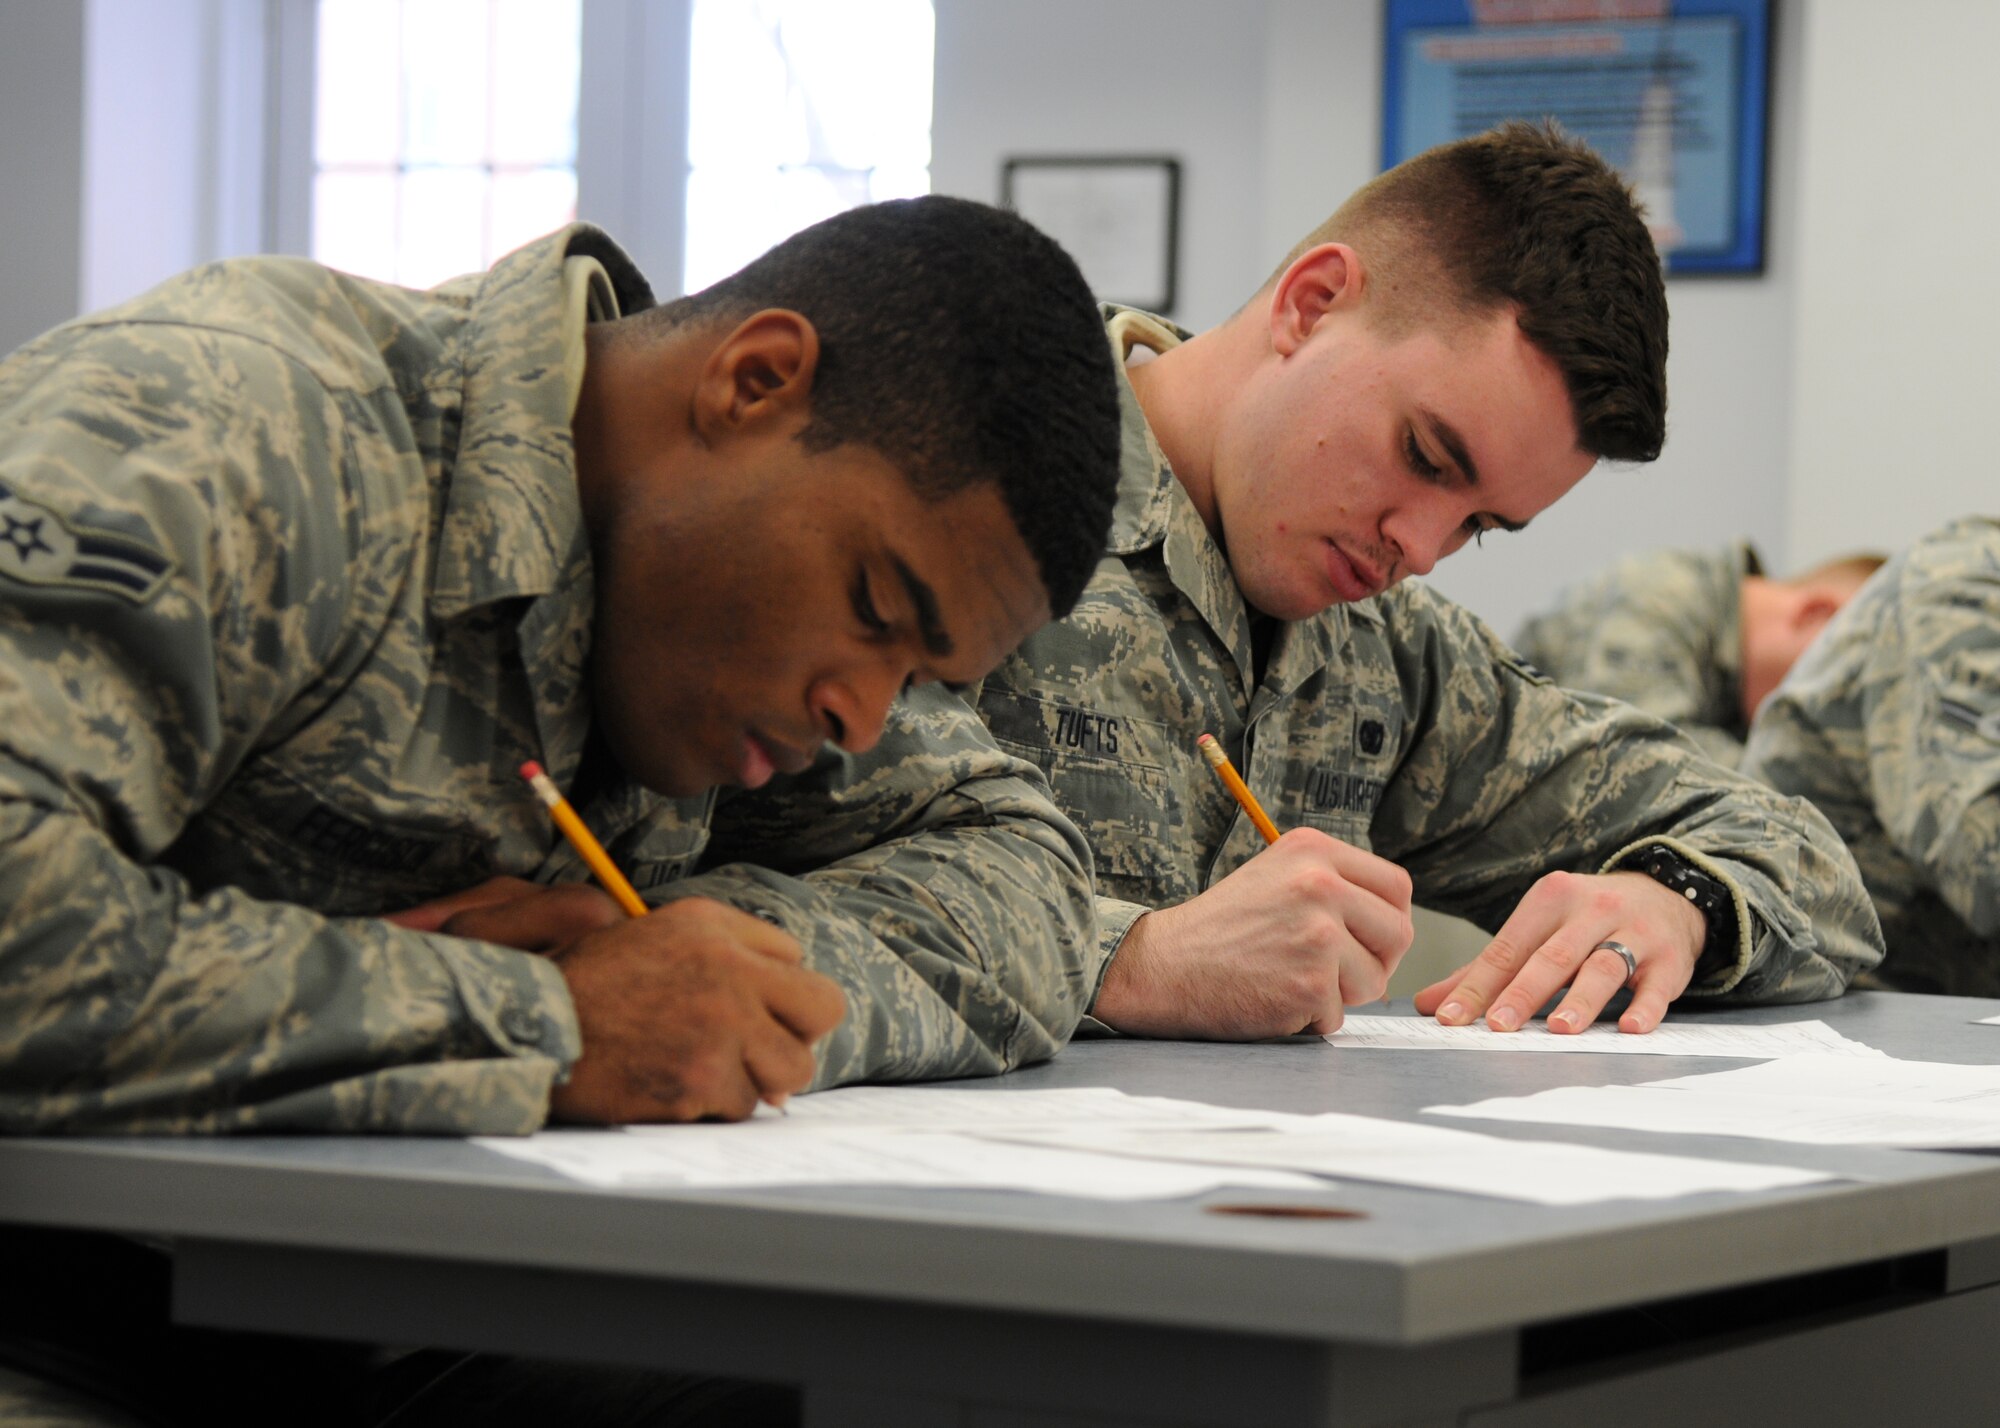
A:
{"x": 531, "y": 770}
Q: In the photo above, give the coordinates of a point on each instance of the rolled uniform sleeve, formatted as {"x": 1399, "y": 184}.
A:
{"x": 1508, "y": 776}
{"x": 936, "y": 882}
{"x": 1661, "y": 631}
{"x": 200, "y": 460}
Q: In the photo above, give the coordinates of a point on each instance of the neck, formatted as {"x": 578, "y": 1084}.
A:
{"x": 1181, "y": 392}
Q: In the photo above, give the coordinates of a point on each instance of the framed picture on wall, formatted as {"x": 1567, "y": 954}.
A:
{"x": 1674, "y": 93}
{"x": 1117, "y": 214}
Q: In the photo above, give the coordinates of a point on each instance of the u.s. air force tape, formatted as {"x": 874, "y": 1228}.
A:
{"x": 40, "y": 547}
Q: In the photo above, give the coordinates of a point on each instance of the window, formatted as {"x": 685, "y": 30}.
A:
{"x": 444, "y": 132}
{"x": 797, "y": 110}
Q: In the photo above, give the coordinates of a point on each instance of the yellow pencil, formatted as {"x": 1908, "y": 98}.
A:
{"x": 581, "y": 839}
{"x": 1233, "y": 781}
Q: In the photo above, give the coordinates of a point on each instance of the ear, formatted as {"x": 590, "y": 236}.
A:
{"x": 1320, "y": 281}
{"x": 1813, "y": 609}
{"x": 762, "y": 371}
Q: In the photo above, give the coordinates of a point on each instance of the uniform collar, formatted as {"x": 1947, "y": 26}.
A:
{"x": 512, "y": 526}
{"x": 513, "y": 523}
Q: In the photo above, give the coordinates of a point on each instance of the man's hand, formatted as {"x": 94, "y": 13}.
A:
{"x": 696, "y": 1010}
{"x": 1309, "y": 925}
{"x": 1549, "y": 943}
{"x": 532, "y": 917}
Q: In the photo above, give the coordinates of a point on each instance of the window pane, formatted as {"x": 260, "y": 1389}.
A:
{"x": 354, "y": 222}
{"x": 444, "y": 225}
{"x": 536, "y": 61}
{"x": 447, "y": 132}
{"x": 734, "y": 214}
{"x": 799, "y": 109}
{"x": 356, "y": 118}
{"x": 863, "y": 68}
{"x": 527, "y": 205}
{"x": 739, "y": 104}
{"x": 445, "y": 82}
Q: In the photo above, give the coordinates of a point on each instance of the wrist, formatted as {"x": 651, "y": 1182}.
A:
{"x": 1132, "y": 998}
{"x": 1703, "y": 893}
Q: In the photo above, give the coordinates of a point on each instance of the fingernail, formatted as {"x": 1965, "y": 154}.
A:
{"x": 1452, "y": 1014}
{"x": 1563, "y": 1019}
{"x": 1503, "y": 1018}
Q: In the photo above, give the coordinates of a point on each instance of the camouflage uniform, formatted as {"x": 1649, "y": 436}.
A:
{"x": 292, "y": 579}
{"x": 1398, "y": 724}
{"x": 1890, "y": 723}
{"x": 1662, "y": 630}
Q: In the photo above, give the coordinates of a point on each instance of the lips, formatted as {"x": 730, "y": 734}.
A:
{"x": 1351, "y": 580}
{"x": 764, "y": 756}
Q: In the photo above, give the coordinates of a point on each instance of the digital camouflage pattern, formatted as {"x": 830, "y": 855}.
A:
{"x": 1398, "y": 724}
{"x": 292, "y": 579}
{"x": 1662, "y": 630}
{"x": 1890, "y": 723}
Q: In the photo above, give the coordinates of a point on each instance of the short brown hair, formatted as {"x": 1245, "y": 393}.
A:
{"x": 1846, "y": 573}
{"x": 1524, "y": 215}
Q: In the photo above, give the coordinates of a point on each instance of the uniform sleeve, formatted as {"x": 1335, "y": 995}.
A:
{"x": 1506, "y": 777}
{"x": 1644, "y": 634}
{"x": 1929, "y": 705}
{"x": 202, "y": 556}
{"x": 933, "y": 879}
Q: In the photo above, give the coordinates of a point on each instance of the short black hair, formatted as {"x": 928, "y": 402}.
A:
{"x": 960, "y": 342}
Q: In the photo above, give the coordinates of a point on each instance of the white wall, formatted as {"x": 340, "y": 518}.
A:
{"x": 1899, "y": 291}
{"x": 41, "y": 166}
{"x": 1179, "y": 77}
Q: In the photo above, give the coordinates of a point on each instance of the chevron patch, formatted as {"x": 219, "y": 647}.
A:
{"x": 39, "y": 547}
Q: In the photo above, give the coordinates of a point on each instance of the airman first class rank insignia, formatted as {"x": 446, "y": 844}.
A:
{"x": 39, "y": 547}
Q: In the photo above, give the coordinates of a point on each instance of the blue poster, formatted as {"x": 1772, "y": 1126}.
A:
{"x": 1670, "y": 92}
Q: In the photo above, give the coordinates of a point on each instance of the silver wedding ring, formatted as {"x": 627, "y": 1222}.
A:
{"x": 1631, "y": 962}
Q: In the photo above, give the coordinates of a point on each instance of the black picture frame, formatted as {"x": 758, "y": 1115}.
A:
{"x": 1119, "y": 216}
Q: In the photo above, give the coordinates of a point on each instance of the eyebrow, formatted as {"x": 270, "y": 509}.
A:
{"x": 1454, "y": 446}
{"x": 924, "y": 599}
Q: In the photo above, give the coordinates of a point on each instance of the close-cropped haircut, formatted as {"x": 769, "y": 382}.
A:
{"x": 1847, "y": 572}
{"x": 1524, "y": 215}
{"x": 961, "y": 343}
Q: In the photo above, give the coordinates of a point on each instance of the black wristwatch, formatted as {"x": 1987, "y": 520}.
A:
{"x": 1709, "y": 894}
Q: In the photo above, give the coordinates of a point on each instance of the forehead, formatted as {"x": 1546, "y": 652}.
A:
{"x": 1499, "y": 397}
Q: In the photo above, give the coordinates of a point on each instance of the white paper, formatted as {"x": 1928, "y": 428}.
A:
{"x": 1793, "y": 1038}
{"x": 1431, "y": 1157}
{"x": 1804, "y": 1120}
{"x": 951, "y": 1108}
{"x": 772, "y": 1152}
{"x": 1844, "y": 1079}
{"x": 1988, "y": 1021}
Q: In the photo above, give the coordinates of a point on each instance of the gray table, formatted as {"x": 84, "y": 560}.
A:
{"x": 1872, "y": 1300}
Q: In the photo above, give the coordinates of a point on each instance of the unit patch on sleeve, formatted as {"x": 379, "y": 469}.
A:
{"x": 39, "y": 547}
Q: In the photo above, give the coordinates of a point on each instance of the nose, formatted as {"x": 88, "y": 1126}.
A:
{"x": 852, "y": 706}
{"x": 1423, "y": 533}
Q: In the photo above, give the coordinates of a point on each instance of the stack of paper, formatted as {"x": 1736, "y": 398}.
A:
{"x": 1815, "y": 1100}
{"x": 1102, "y": 1143}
